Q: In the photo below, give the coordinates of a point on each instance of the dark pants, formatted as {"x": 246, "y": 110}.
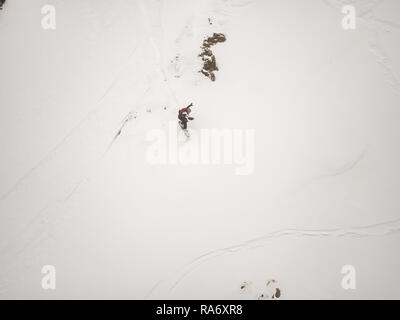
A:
{"x": 184, "y": 121}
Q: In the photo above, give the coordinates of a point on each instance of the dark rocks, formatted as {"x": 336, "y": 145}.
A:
{"x": 208, "y": 57}
{"x": 212, "y": 41}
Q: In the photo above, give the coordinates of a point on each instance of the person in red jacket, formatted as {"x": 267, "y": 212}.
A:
{"x": 183, "y": 116}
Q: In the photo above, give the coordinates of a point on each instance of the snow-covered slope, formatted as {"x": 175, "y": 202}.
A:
{"x": 77, "y": 189}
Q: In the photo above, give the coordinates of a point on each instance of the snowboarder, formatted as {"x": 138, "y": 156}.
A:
{"x": 183, "y": 116}
{"x": 1, "y": 4}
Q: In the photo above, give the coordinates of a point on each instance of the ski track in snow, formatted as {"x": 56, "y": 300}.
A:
{"x": 157, "y": 51}
{"x": 57, "y": 148}
{"x": 373, "y": 230}
{"x": 375, "y": 25}
{"x": 36, "y": 233}
{"x": 131, "y": 116}
{"x": 80, "y": 124}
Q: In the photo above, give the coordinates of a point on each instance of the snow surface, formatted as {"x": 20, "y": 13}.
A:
{"x": 324, "y": 103}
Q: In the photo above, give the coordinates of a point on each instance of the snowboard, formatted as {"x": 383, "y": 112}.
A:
{"x": 185, "y": 131}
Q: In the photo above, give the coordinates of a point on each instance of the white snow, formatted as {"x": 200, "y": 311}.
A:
{"x": 77, "y": 192}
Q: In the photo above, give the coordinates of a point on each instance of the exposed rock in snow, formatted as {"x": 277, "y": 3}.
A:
{"x": 209, "y": 60}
